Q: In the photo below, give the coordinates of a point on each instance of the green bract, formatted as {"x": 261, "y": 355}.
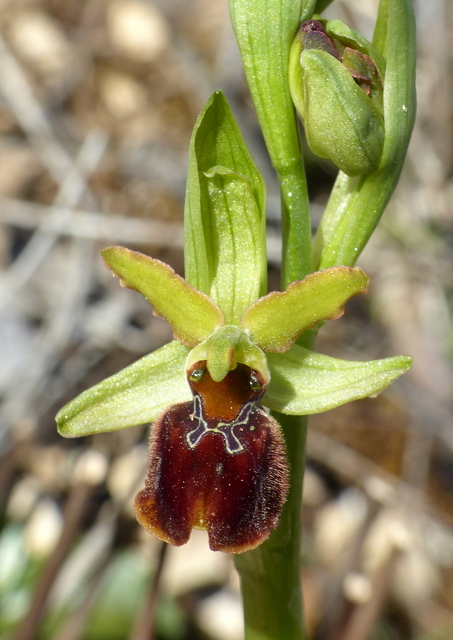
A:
{"x": 224, "y": 321}
{"x": 356, "y": 203}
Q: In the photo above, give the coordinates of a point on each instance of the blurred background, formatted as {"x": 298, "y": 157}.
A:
{"x": 97, "y": 102}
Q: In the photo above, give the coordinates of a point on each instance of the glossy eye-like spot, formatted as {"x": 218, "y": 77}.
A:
{"x": 224, "y": 400}
{"x": 197, "y": 374}
{"x": 223, "y": 470}
{"x": 254, "y": 382}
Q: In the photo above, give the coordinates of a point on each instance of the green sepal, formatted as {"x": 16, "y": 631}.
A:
{"x": 236, "y": 235}
{"x": 304, "y": 382}
{"x": 191, "y": 314}
{"x": 135, "y": 395}
{"x": 224, "y": 349}
{"x": 224, "y": 212}
{"x": 275, "y": 321}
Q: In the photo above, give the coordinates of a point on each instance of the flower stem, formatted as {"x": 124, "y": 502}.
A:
{"x": 270, "y": 574}
{"x": 264, "y": 32}
{"x": 296, "y": 228}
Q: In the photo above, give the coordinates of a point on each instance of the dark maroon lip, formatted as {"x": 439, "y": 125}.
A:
{"x": 228, "y": 476}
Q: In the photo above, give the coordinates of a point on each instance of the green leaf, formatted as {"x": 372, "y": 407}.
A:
{"x": 275, "y": 321}
{"x": 133, "y": 396}
{"x": 304, "y": 382}
{"x": 224, "y": 217}
{"x": 191, "y": 314}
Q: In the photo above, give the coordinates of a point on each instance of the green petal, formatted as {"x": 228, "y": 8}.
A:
{"x": 224, "y": 218}
{"x": 191, "y": 314}
{"x": 276, "y": 320}
{"x": 133, "y": 396}
{"x": 304, "y": 382}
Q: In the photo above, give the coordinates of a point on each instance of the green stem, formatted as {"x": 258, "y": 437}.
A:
{"x": 265, "y": 32}
{"x": 296, "y": 226}
{"x": 270, "y": 574}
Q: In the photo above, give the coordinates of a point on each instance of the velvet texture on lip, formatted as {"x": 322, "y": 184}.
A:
{"x": 216, "y": 463}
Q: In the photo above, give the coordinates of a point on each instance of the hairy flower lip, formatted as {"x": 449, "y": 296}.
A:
{"x": 230, "y": 479}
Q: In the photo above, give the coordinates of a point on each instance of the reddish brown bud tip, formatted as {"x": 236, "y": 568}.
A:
{"x": 219, "y": 466}
{"x": 314, "y": 36}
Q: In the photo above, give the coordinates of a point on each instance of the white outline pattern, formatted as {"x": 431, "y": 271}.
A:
{"x": 232, "y": 443}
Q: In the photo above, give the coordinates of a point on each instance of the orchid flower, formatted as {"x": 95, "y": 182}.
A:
{"x": 217, "y": 457}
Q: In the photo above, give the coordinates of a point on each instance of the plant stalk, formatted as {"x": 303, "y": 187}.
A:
{"x": 271, "y": 573}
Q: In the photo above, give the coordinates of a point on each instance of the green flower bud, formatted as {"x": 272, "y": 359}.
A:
{"x": 337, "y": 90}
